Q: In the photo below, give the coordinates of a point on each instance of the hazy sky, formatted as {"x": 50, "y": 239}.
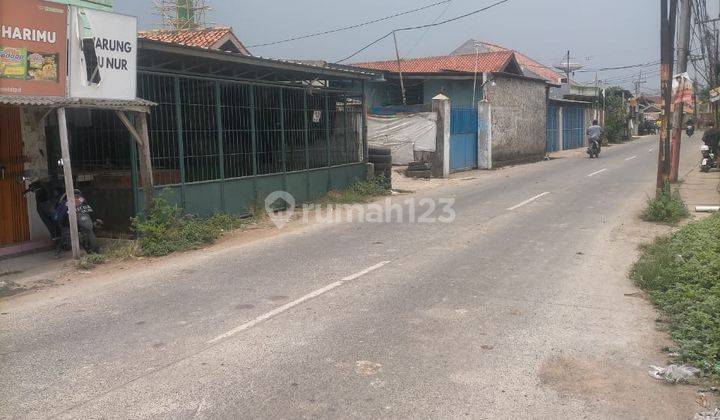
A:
{"x": 598, "y": 33}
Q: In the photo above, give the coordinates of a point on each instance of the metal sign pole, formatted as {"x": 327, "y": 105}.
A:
{"x": 69, "y": 187}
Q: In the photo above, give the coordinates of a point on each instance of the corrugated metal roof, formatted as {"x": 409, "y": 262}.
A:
{"x": 492, "y": 62}
{"x": 322, "y": 69}
{"x": 59, "y": 101}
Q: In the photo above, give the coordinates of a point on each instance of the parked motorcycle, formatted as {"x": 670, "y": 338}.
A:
{"x": 690, "y": 130}
{"x": 709, "y": 160}
{"x": 52, "y": 207}
{"x": 594, "y": 149}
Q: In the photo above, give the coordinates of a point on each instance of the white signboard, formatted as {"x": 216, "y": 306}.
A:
{"x": 103, "y": 55}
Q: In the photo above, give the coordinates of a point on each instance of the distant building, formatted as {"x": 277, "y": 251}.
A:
{"x": 530, "y": 67}
{"x": 518, "y": 101}
{"x": 215, "y": 38}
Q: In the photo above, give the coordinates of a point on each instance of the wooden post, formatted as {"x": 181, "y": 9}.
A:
{"x": 139, "y": 131}
{"x": 69, "y": 186}
{"x": 146, "y": 174}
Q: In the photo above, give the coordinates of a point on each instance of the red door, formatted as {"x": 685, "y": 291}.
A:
{"x": 14, "y": 227}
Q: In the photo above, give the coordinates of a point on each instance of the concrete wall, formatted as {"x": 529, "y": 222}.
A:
{"x": 519, "y": 109}
{"x": 35, "y": 152}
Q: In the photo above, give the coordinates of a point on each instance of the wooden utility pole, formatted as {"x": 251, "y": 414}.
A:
{"x": 69, "y": 185}
{"x": 683, "y": 49}
{"x": 402, "y": 83}
{"x": 667, "y": 36}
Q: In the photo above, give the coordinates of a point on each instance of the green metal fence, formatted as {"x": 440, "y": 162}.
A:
{"x": 222, "y": 145}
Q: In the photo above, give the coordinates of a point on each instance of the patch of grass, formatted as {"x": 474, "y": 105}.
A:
{"x": 682, "y": 274}
{"x": 89, "y": 261}
{"x": 666, "y": 207}
{"x": 166, "y": 229}
{"x": 359, "y": 192}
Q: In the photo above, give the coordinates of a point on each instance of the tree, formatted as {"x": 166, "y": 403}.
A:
{"x": 616, "y": 115}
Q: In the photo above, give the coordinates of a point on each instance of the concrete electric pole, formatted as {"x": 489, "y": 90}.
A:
{"x": 667, "y": 55}
{"x": 683, "y": 50}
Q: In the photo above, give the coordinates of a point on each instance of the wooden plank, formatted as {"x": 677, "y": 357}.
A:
{"x": 146, "y": 175}
{"x": 129, "y": 125}
{"x": 69, "y": 186}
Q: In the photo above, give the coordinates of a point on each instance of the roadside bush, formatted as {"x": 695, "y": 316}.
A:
{"x": 166, "y": 229}
{"x": 359, "y": 192}
{"x": 89, "y": 261}
{"x": 682, "y": 274}
{"x": 666, "y": 207}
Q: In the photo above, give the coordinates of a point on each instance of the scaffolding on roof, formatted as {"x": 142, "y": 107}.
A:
{"x": 182, "y": 14}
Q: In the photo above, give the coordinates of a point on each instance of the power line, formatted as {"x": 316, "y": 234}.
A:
{"x": 428, "y": 29}
{"x": 430, "y": 25}
{"x": 346, "y": 28}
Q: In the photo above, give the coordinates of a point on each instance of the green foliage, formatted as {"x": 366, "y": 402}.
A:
{"x": 359, "y": 192}
{"x": 666, "y": 207}
{"x": 615, "y": 116}
{"x": 89, "y": 261}
{"x": 166, "y": 229}
{"x": 682, "y": 274}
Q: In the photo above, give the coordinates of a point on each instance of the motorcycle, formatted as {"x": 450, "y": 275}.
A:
{"x": 690, "y": 130}
{"x": 708, "y": 159}
{"x": 594, "y": 149}
{"x": 52, "y": 207}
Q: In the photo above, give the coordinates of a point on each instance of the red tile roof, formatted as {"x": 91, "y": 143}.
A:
{"x": 538, "y": 68}
{"x": 492, "y": 62}
{"x": 203, "y": 37}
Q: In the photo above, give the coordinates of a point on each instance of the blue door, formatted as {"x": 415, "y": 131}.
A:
{"x": 463, "y": 139}
{"x": 573, "y": 127}
{"x": 552, "y": 134}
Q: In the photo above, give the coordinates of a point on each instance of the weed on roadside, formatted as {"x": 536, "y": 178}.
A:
{"x": 682, "y": 274}
{"x": 166, "y": 229}
{"x": 89, "y": 261}
{"x": 359, "y": 192}
{"x": 666, "y": 207}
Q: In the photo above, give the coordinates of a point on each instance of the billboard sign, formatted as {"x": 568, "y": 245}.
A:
{"x": 33, "y": 48}
{"x": 715, "y": 94}
{"x": 103, "y": 54}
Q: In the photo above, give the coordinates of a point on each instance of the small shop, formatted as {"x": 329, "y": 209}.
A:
{"x": 213, "y": 131}
{"x": 53, "y": 62}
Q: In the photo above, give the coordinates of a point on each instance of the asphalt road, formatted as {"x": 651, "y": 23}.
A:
{"x": 519, "y": 308}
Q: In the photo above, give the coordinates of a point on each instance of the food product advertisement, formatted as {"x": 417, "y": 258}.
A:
{"x": 33, "y": 48}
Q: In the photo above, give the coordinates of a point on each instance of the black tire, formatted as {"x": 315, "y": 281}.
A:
{"x": 380, "y": 158}
{"x": 90, "y": 244}
{"x": 704, "y": 169}
{"x": 379, "y": 151}
{"x": 382, "y": 166}
{"x": 419, "y": 166}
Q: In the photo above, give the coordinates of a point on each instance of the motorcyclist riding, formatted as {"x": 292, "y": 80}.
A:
{"x": 594, "y": 133}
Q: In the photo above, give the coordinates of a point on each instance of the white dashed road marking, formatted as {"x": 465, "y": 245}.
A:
{"x": 529, "y": 200}
{"x": 631, "y": 158}
{"x": 598, "y": 172}
{"x": 288, "y": 306}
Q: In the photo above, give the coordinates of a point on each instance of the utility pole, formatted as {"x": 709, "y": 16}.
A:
{"x": 567, "y": 68}
{"x": 638, "y": 83}
{"x": 402, "y": 83}
{"x": 683, "y": 49}
{"x": 667, "y": 36}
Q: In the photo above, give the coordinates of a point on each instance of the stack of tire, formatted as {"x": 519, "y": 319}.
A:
{"x": 381, "y": 158}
